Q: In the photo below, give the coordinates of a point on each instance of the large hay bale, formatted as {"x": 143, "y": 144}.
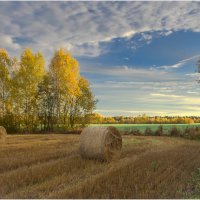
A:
{"x": 3, "y": 134}
{"x": 102, "y": 143}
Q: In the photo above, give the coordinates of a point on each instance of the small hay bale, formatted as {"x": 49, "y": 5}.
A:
{"x": 103, "y": 143}
{"x": 3, "y": 134}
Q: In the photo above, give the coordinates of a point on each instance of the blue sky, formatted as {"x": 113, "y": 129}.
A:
{"x": 140, "y": 57}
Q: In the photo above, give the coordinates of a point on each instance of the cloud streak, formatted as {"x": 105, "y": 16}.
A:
{"x": 132, "y": 73}
{"x": 179, "y": 64}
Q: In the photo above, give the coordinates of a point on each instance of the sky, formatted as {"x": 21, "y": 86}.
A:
{"x": 140, "y": 57}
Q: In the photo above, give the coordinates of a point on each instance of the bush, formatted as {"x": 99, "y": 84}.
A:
{"x": 148, "y": 131}
{"x": 131, "y": 132}
{"x": 192, "y": 133}
{"x": 159, "y": 131}
{"x": 175, "y": 132}
{"x": 135, "y": 132}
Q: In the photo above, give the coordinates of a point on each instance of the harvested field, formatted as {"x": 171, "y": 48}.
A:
{"x": 49, "y": 166}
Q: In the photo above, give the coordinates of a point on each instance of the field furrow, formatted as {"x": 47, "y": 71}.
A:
{"x": 149, "y": 167}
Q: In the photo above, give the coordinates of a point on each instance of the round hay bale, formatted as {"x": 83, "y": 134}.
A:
{"x": 102, "y": 143}
{"x": 3, "y": 134}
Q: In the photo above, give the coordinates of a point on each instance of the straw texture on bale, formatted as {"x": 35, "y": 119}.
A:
{"x": 3, "y": 134}
{"x": 102, "y": 143}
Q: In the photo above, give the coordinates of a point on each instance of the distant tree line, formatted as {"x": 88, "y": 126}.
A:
{"x": 97, "y": 118}
{"x": 34, "y": 98}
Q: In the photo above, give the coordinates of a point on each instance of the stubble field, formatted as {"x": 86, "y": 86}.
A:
{"x": 49, "y": 166}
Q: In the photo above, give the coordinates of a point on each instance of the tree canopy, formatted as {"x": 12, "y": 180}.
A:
{"x": 33, "y": 98}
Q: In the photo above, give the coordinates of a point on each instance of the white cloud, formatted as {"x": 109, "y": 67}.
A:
{"x": 7, "y": 42}
{"x": 147, "y": 37}
{"x": 84, "y": 25}
{"x": 128, "y": 34}
{"x": 166, "y": 33}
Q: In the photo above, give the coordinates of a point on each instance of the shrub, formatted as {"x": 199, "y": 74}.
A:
{"x": 135, "y": 132}
{"x": 175, "y": 132}
{"x": 131, "y": 132}
{"x": 148, "y": 131}
{"x": 193, "y": 132}
{"x": 159, "y": 131}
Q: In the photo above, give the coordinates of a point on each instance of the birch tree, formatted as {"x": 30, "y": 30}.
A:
{"x": 64, "y": 72}
{"x": 5, "y": 65}
{"x": 25, "y": 82}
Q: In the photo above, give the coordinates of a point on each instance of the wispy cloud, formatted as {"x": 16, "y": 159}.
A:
{"x": 166, "y": 95}
{"x": 179, "y": 64}
{"x": 112, "y": 112}
{"x": 180, "y": 100}
{"x": 152, "y": 98}
{"x": 192, "y": 92}
{"x": 167, "y": 67}
{"x": 131, "y": 73}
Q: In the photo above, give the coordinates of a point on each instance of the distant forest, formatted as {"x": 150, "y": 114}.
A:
{"x": 97, "y": 118}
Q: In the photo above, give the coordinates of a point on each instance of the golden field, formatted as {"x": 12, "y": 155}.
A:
{"x": 49, "y": 166}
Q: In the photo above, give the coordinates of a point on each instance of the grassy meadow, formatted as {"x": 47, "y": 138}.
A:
{"x": 142, "y": 127}
{"x": 49, "y": 166}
